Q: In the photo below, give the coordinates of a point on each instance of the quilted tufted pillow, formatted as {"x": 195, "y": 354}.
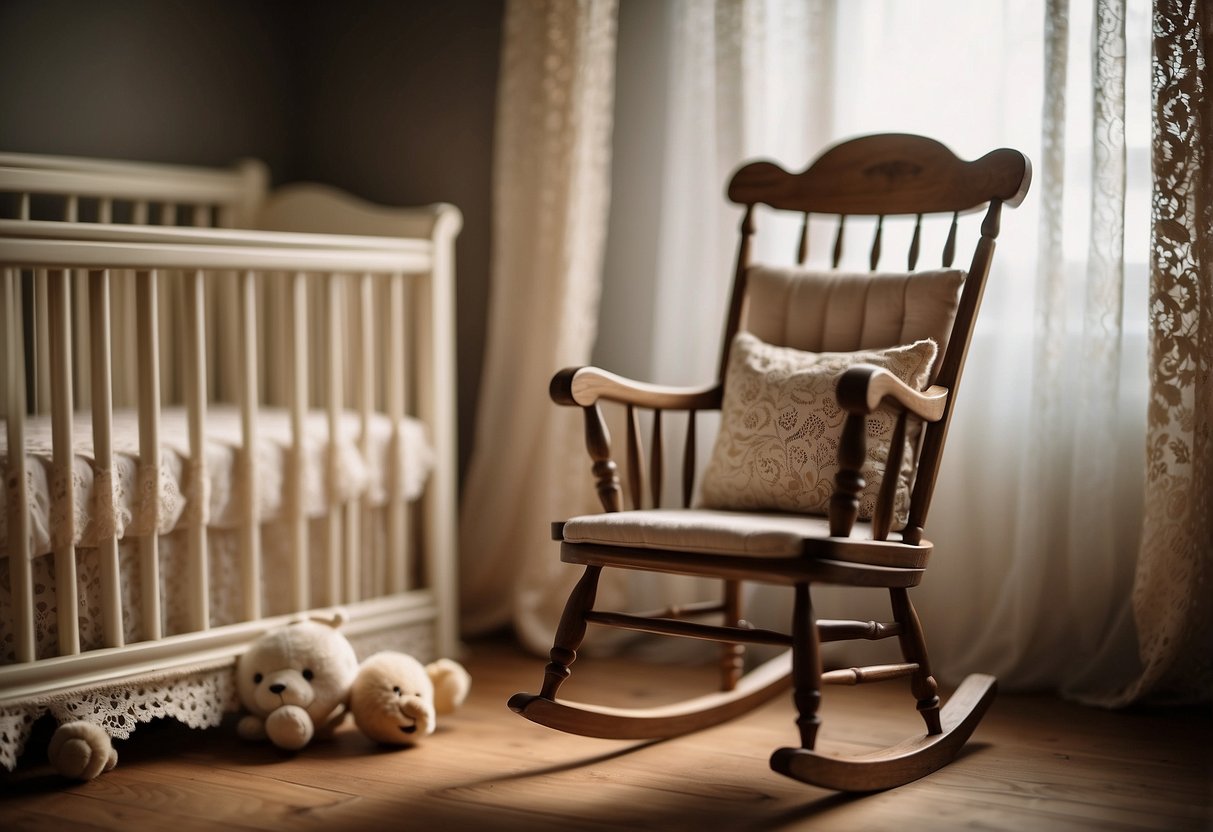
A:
{"x": 781, "y": 423}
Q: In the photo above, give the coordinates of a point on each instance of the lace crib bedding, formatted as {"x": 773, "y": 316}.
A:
{"x": 175, "y": 508}
{"x": 131, "y": 514}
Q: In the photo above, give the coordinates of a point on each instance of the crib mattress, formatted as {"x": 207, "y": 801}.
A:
{"x": 225, "y": 502}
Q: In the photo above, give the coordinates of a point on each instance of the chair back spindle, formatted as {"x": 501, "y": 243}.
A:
{"x": 802, "y": 250}
{"x": 915, "y": 243}
{"x": 836, "y": 258}
{"x": 874, "y": 258}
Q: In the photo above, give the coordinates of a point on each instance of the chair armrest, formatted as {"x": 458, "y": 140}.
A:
{"x": 863, "y": 387}
{"x": 584, "y": 386}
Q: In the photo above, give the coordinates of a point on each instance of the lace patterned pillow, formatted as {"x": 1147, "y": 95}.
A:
{"x": 781, "y": 424}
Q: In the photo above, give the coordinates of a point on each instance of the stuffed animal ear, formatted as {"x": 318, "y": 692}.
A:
{"x": 334, "y": 617}
{"x": 451, "y": 684}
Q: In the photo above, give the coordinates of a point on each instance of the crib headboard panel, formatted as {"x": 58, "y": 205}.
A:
{"x": 73, "y": 189}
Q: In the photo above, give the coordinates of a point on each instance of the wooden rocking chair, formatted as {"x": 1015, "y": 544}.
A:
{"x": 873, "y": 536}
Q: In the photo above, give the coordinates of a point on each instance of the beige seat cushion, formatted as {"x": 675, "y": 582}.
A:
{"x": 841, "y": 312}
{"x": 781, "y": 425}
{"x": 699, "y": 530}
{"x": 758, "y": 534}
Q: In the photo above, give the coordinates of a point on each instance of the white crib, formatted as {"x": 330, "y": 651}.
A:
{"x": 217, "y": 418}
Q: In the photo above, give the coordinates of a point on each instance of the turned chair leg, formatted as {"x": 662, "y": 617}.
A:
{"x": 570, "y": 632}
{"x": 806, "y": 667}
{"x": 732, "y": 656}
{"x": 914, "y": 648}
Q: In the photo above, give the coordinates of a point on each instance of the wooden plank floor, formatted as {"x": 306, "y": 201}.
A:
{"x": 1035, "y": 763}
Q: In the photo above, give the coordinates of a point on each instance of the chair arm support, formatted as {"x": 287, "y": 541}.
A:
{"x": 863, "y": 387}
{"x": 584, "y": 386}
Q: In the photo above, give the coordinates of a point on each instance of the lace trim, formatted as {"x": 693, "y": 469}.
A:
{"x": 198, "y": 698}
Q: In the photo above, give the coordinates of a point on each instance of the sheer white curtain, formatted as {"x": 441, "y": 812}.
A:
{"x": 1037, "y": 518}
{"x": 550, "y": 196}
{"x": 698, "y": 92}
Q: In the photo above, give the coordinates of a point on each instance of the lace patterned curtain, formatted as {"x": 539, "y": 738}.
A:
{"x": 1173, "y": 590}
{"x": 1059, "y": 616}
{"x": 551, "y": 189}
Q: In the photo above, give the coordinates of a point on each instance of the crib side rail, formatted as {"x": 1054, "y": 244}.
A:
{"x": 74, "y": 189}
{"x": 254, "y": 319}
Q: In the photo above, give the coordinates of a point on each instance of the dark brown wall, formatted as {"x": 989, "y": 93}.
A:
{"x": 195, "y": 82}
{"x": 390, "y": 100}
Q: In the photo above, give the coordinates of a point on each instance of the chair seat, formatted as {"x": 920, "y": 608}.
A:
{"x": 742, "y": 534}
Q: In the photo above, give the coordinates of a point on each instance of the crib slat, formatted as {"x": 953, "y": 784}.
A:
{"x": 364, "y": 554}
{"x": 352, "y": 525}
{"x": 351, "y": 550}
{"x": 300, "y": 561}
{"x": 171, "y": 302}
{"x": 103, "y": 452}
{"x": 83, "y": 346}
{"x": 122, "y": 312}
{"x": 195, "y": 404}
{"x": 63, "y": 507}
{"x": 336, "y": 386}
{"x": 12, "y": 363}
{"x": 398, "y": 545}
{"x": 105, "y": 210}
{"x": 250, "y": 528}
{"x": 42, "y": 364}
{"x": 139, "y": 213}
{"x": 269, "y": 333}
{"x": 148, "y": 364}
{"x": 23, "y": 207}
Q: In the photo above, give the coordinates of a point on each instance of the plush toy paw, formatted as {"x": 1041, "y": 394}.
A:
{"x": 451, "y": 684}
{"x": 289, "y": 727}
{"x": 395, "y": 700}
{"x": 81, "y": 750}
{"x": 251, "y": 728}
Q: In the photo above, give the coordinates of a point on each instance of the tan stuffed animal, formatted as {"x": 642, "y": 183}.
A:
{"x": 81, "y": 750}
{"x": 396, "y": 700}
{"x": 294, "y": 682}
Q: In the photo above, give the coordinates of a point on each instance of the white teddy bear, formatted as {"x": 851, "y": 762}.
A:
{"x": 295, "y": 682}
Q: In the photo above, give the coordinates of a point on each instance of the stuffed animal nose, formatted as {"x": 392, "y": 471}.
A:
{"x": 279, "y": 688}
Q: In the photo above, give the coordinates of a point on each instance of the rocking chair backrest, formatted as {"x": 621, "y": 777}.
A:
{"x": 878, "y": 176}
